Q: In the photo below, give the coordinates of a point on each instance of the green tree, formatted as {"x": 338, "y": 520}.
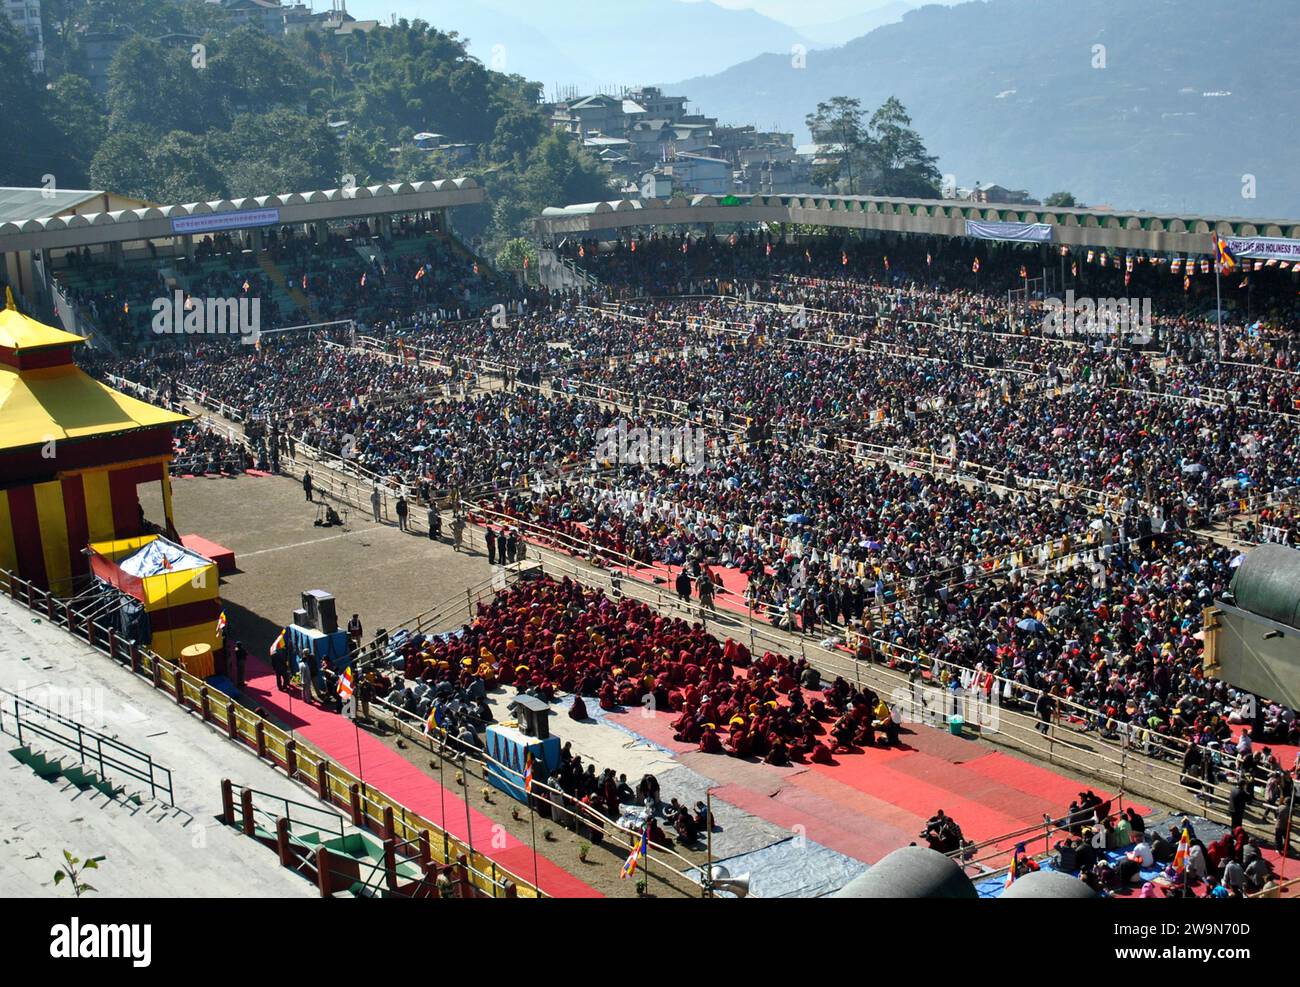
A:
{"x": 1062, "y": 199}
{"x": 282, "y": 151}
{"x": 157, "y": 88}
{"x": 900, "y": 164}
{"x": 77, "y": 114}
{"x": 838, "y": 122}
{"x": 183, "y": 171}
{"x": 511, "y": 257}
{"x": 122, "y": 163}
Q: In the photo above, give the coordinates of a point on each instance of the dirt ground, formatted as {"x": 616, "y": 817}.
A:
{"x": 386, "y": 576}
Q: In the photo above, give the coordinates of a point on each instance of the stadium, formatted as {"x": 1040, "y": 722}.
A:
{"x": 707, "y": 546}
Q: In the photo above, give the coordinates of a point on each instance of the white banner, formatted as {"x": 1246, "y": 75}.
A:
{"x": 210, "y": 222}
{"x": 1025, "y": 232}
{"x": 1264, "y": 247}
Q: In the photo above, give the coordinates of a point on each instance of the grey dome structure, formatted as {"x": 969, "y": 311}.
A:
{"x": 1268, "y": 583}
{"x": 1048, "y": 884}
{"x": 911, "y": 872}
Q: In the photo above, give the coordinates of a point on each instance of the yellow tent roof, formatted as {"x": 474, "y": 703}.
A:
{"x": 65, "y": 403}
{"x": 18, "y": 332}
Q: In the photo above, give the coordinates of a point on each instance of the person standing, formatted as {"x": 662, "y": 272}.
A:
{"x": 305, "y": 674}
{"x": 512, "y": 547}
{"x": 435, "y": 523}
{"x": 374, "y": 501}
{"x": 457, "y": 531}
{"x": 280, "y": 665}
{"x": 683, "y": 585}
{"x": 402, "y": 510}
{"x": 306, "y": 484}
{"x": 491, "y": 538}
{"x": 355, "y": 633}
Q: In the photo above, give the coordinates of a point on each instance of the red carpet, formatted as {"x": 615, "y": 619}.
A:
{"x": 402, "y": 781}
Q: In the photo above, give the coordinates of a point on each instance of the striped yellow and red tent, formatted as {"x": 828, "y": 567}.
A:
{"x": 72, "y": 452}
{"x": 177, "y": 586}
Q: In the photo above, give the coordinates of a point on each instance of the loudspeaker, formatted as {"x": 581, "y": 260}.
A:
{"x": 320, "y": 608}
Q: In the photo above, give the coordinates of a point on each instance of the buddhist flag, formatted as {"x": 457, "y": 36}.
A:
{"x": 1176, "y": 266}
{"x": 927, "y": 258}
{"x": 769, "y": 250}
{"x": 278, "y": 644}
{"x": 1183, "y": 851}
{"x": 1091, "y": 254}
{"x": 126, "y": 308}
{"x": 528, "y": 772}
{"x": 633, "y": 246}
{"x": 304, "y": 282}
{"x": 345, "y": 684}
{"x": 1024, "y": 274}
{"x": 975, "y": 266}
{"x": 1187, "y": 281}
{"x": 1205, "y": 266}
{"x": 476, "y": 267}
{"x": 844, "y": 259}
{"x": 582, "y": 251}
{"x": 434, "y": 722}
{"x": 363, "y": 279}
{"x": 247, "y": 286}
{"x": 420, "y": 271}
{"x": 221, "y": 624}
{"x": 807, "y": 255}
{"x": 1227, "y": 259}
{"x": 1128, "y": 263}
{"x": 1016, "y": 859}
{"x": 638, "y": 854}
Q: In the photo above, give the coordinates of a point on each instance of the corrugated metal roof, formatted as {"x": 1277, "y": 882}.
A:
{"x": 17, "y": 205}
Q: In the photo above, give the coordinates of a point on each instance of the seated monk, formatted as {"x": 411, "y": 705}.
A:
{"x": 821, "y": 754}
{"x": 578, "y": 711}
{"x": 709, "y": 742}
{"x": 608, "y": 700}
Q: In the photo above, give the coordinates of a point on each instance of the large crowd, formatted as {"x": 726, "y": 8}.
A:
{"x": 1034, "y": 519}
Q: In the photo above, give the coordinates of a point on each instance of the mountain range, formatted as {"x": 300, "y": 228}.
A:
{"x": 1165, "y": 105}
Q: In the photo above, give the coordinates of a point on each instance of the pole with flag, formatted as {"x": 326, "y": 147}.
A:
{"x": 1016, "y": 857}
{"x": 532, "y": 812}
{"x": 639, "y": 852}
{"x": 1225, "y": 262}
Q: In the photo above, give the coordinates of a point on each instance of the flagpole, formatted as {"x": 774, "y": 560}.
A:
{"x": 1218, "y": 304}
{"x": 532, "y": 823}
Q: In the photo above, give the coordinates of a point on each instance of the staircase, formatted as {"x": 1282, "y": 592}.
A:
{"x": 272, "y": 270}
{"x": 54, "y": 770}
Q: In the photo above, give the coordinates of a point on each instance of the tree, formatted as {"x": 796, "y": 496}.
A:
{"x": 122, "y": 164}
{"x": 77, "y": 114}
{"x": 156, "y": 88}
{"x": 838, "y": 122}
{"x": 183, "y": 171}
{"x": 33, "y": 148}
{"x": 512, "y": 256}
{"x": 900, "y": 163}
{"x": 280, "y": 151}
{"x": 1062, "y": 200}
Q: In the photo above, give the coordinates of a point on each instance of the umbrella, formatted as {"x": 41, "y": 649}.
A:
{"x": 797, "y": 518}
{"x": 1031, "y": 625}
{"x": 1237, "y": 561}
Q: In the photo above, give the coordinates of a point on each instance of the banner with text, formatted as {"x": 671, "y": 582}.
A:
{"x": 1023, "y": 232}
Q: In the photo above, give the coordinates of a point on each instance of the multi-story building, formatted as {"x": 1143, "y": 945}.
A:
{"x": 26, "y": 17}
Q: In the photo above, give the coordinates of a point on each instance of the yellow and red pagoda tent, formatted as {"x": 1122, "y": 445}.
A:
{"x": 72, "y": 453}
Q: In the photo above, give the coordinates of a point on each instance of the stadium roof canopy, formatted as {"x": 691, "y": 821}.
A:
{"x": 153, "y": 222}
{"x": 17, "y": 205}
{"x": 1117, "y": 229}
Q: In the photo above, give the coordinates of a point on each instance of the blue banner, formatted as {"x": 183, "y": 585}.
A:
{"x": 215, "y": 221}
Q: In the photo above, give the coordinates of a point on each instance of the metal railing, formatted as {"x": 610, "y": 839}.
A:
{"x": 333, "y": 784}
{"x": 107, "y": 756}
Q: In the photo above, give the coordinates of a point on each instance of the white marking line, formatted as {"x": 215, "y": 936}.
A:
{"x": 301, "y": 544}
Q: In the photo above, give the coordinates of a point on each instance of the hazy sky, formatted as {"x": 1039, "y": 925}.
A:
{"x": 793, "y": 12}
